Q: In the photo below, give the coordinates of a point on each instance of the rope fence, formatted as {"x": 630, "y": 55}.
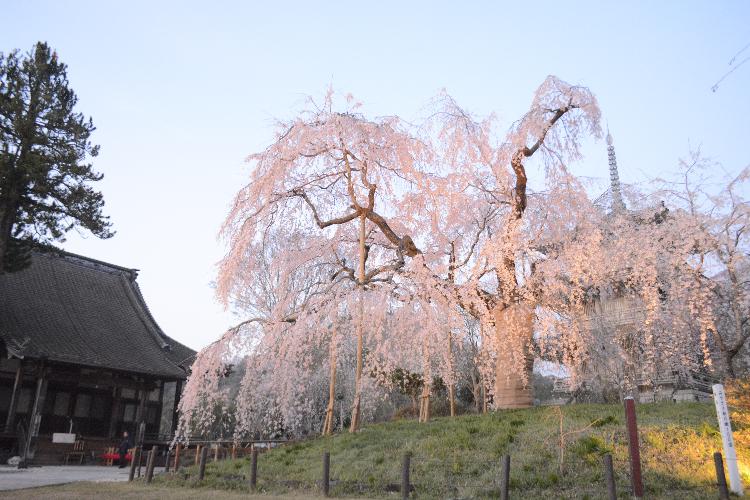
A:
{"x": 588, "y": 467}
{"x": 404, "y": 473}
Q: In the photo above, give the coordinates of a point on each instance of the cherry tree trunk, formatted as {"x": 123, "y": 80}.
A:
{"x": 514, "y": 328}
{"x": 476, "y": 391}
{"x": 484, "y": 398}
{"x": 424, "y": 408}
{"x": 328, "y": 424}
{"x": 451, "y": 384}
{"x": 452, "y": 399}
{"x": 358, "y": 374}
{"x": 360, "y": 331}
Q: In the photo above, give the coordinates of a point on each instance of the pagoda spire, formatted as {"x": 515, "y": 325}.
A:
{"x": 618, "y": 205}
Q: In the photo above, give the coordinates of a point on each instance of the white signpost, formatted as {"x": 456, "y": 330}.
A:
{"x": 730, "y": 453}
{"x": 63, "y": 437}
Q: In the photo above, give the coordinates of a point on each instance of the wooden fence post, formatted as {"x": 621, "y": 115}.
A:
{"x": 505, "y": 477}
{"x": 166, "y": 459}
{"x": 721, "y": 478}
{"x": 132, "y": 464}
{"x": 149, "y": 458}
{"x": 234, "y": 451}
{"x": 326, "y": 472}
{"x": 405, "y": 468}
{"x": 197, "y": 453}
{"x": 176, "y": 458}
{"x": 139, "y": 458}
{"x": 609, "y": 476}
{"x": 151, "y": 462}
{"x": 636, "y": 480}
{"x": 202, "y": 464}
{"x": 254, "y": 468}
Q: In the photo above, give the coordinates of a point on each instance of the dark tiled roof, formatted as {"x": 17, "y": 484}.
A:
{"x": 72, "y": 309}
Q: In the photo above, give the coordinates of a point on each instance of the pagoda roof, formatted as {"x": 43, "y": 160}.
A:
{"x": 72, "y": 309}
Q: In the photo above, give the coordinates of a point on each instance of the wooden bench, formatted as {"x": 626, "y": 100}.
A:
{"x": 79, "y": 450}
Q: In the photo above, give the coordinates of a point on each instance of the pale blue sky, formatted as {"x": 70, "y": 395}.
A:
{"x": 181, "y": 92}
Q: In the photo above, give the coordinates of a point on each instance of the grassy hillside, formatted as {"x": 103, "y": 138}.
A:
{"x": 460, "y": 457}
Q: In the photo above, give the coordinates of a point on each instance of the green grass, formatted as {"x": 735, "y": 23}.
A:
{"x": 460, "y": 457}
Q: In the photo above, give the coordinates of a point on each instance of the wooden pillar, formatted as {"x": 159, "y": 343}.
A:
{"x": 14, "y": 398}
{"x": 140, "y": 416}
{"x": 161, "y": 410}
{"x": 175, "y": 415}
{"x": 72, "y": 401}
{"x": 114, "y": 418}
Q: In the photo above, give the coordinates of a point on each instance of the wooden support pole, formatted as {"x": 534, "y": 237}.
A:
{"x": 216, "y": 452}
{"x": 405, "y": 469}
{"x": 167, "y": 454}
{"x": 14, "y": 399}
{"x": 197, "y": 453}
{"x": 177, "y": 449}
{"x": 505, "y": 477}
{"x": 326, "y": 473}
{"x": 140, "y": 439}
{"x": 636, "y": 480}
{"x": 254, "y": 469}
{"x": 234, "y": 451}
{"x": 149, "y": 459}
{"x": 35, "y": 416}
{"x": 137, "y": 458}
{"x": 132, "y": 464}
{"x": 151, "y": 462}
{"x": 721, "y": 478}
{"x": 202, "y": 464}
{"x": 609, "y": 476}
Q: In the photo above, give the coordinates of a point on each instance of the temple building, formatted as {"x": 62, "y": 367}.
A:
{"x": 81, "y": 355}
{"x": 616, "y": 365}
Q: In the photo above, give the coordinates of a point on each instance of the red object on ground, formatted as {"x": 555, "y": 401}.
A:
{"x": 115, "y": 456}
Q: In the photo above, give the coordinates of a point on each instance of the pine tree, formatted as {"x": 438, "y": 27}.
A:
{"x": 45, "y": 156}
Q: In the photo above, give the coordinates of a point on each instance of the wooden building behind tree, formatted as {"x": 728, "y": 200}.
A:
{"x": 80, "y": 352}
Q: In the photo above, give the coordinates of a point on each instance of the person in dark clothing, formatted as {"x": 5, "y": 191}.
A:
{"x": 122, "y": 450}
